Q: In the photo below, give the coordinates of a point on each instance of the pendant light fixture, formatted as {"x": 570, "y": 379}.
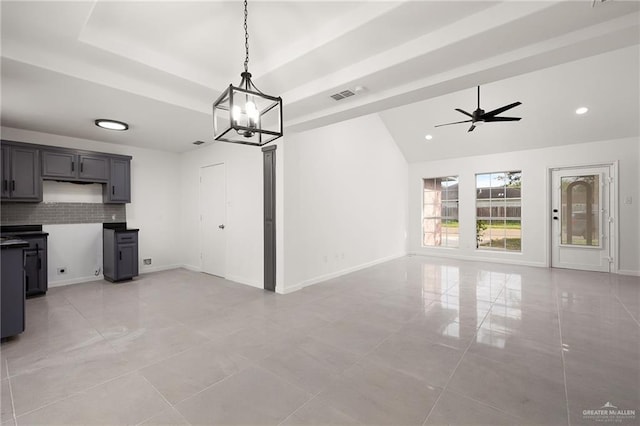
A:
{"x": 244, "y": 114}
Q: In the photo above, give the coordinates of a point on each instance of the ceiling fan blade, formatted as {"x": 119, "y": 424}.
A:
{"x": 456, "y": 122}
{"x": 464, "y": 112}
{"x": 490, "y": 119}
{"x": 473, "y": 126}
{"x": 500, "y": 110}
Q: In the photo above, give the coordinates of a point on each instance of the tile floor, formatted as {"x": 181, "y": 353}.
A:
{"x": 409, "y": 342}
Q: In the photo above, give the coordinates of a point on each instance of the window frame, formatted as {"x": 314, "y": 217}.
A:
{"x": 505, "y": 218}
{"x": 440, "y": 217}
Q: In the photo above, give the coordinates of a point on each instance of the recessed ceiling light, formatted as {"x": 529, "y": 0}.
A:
{"x": 582, "y": 110}
{"x": 428, "y": 137}
{"x": 111, "y": 124}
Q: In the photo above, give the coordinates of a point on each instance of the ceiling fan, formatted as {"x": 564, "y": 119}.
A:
{"x": 479, "y": 116}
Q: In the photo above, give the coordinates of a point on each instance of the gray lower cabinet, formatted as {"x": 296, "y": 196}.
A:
{"x": 120, "y": 254}
{"x": 68, "y": 165}
{"x": 35, "y": 265}
{"x": 118, "y": 189}
{"x": 12, "y": 292}
{"x": 21, "y": 179}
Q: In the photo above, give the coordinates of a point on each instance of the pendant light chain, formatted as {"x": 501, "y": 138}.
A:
{"x": 246, "y": 39}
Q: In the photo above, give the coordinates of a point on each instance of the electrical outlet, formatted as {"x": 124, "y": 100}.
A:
{"x": 62, "y": 270}
{"x": 147, "y": 261}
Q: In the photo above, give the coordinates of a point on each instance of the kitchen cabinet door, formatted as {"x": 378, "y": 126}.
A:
{"x": 118, "y": 189}
{"x": 94, "y": 168}
{"x": 35, "y": 265}
{"x": 25, "y": 183}
{"x": 59, "y": 164}
{"x": 127, "y": 260}
{"x": 5, "y": 163}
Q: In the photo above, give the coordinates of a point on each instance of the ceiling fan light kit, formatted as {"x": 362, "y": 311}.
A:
{"x": 479, "y": 116}
{"x": 243, "y": 114}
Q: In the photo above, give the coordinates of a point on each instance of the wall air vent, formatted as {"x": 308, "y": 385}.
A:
{"x": 341, "y": 95}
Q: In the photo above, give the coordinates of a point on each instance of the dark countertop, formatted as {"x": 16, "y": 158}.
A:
{"x": 119, "y": 227}
{"x": 9, "y": 243}
{"x": 22, "y": 230}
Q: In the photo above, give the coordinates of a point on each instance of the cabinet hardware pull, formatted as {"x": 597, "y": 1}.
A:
{"x": 72, "y": 166}
{"x": 39, "y": 263}
{"x": 113, "y": 190}
{"x": 6, "y": 184}
{"x": 81, "y": 167}
{"x": 120, "y": 255}
{"x": 13, "y": 185}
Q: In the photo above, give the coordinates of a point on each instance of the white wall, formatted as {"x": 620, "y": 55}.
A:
{"x": 243, "y": 228}
{"x": 345, "y": 200}
{"x": 78, "y": 249}
{"x": 535, "y": 202}
{"x": 155, "y": 184}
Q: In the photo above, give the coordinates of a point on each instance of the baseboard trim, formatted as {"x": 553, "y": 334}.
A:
{"x": 190, "y": 268}
{"x": 336, "y": 274}
{"x": 243, "y": 281}
{"x": 482, "y": 259}
{"x": 79, "y": 280}
{"x": 148, "y": 270}
{"x": 628, "y": 272}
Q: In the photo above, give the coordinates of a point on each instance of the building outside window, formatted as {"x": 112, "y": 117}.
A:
{"x": 498, "y": 211}
{"x": 440, "y": 212}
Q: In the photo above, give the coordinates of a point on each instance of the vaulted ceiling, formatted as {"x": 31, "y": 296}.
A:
{"x": 158, "y": 65}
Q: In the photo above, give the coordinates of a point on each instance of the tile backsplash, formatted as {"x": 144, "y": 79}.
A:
{"x": 58, "y": 213}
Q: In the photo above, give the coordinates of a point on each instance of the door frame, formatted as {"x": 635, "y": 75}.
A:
{"x": 200, "y": 240}
{"x": 613, "y": 206}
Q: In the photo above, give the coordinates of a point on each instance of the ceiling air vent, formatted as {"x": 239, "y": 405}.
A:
{"x": 344, "y": 94}
{"x": 198, "y": 142}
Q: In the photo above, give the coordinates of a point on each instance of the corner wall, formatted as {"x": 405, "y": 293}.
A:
{"x": 344, "y": 201}
{"x": 243, "y": 228}
{"x": 535, "y": 199}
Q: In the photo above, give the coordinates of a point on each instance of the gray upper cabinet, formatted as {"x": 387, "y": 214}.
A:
{"x": 5, "y": 163}
{"x": 25, "y": 165}
{"x": 21, "y": 179}
{"x": 118, "y": 189}
{"x": 71, "y": 166}
{"x": 59, "y": 164}
{"x": 93, "y": 167}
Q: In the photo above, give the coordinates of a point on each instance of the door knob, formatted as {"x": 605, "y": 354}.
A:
{"x": 221, "y": 226}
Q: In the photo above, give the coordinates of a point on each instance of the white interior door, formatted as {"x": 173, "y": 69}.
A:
{"x": 212, "y": 219}
{"x": 582, "y": 221}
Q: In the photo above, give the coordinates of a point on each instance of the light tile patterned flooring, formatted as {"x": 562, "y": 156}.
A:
{"x": 411, "y": 341}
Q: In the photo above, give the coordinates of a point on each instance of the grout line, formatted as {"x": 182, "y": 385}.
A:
{"x": 471, "y": 341}
{"x": 13, "y": 405}
{"x": 161, "y": 396}
{"x": 564, "y": 370}
{"x": 509, "y": 414}
{"x": 628, "y": 311}
{"x": 77, "y": 393}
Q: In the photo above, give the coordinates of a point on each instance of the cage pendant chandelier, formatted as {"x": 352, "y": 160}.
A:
{"x": 243, "y": 114}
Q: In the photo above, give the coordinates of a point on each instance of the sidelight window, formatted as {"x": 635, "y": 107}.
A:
{"x": 440, "y": 212}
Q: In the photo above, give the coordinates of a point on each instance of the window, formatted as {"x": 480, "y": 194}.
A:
{"x": 498, "y": 211}
{"x": 440, "y": 212}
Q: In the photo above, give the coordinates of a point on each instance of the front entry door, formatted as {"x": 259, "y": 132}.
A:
{"x": 581, "y": 218}
{"x": 212, "y": 219}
